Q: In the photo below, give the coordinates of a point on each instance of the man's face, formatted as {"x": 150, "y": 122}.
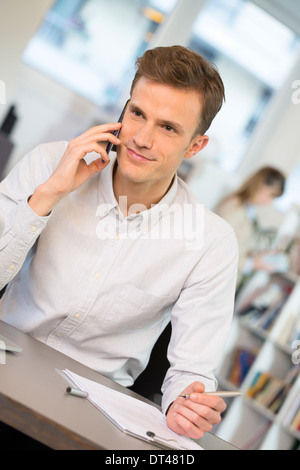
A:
{"x": 157, "y": 132}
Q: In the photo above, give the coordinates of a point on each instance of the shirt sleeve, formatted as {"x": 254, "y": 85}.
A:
{"x": 22, "y": 226}
{"x": 201, "y": 319}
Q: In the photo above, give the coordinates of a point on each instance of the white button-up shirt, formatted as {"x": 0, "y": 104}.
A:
{"x": 101, "y": 287}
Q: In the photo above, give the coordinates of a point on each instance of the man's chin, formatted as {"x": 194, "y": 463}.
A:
{"x": 129, "y": 170}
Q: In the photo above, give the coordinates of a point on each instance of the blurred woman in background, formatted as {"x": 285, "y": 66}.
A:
{"x": 239, "y": 210}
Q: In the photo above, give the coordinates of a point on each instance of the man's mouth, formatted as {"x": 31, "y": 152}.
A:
{"x": 137, "y": 156}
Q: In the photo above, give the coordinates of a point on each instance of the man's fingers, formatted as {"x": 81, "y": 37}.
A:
{"x": 187, "y": 428}
{"x": 79, "y": 144}
{"x": 99, "y": 130}
{"x": 205, "y": 411}
{"x": 193, "y": 412}
{"x": 214, "y": 402}
{"x": 77, "y": 152}
{"x": 98, "y": 165}
{"x": 202, "y": 417}
{"x": 198, "y": 387}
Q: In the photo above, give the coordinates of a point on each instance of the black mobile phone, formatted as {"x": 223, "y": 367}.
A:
{"x": 111, "y": 146}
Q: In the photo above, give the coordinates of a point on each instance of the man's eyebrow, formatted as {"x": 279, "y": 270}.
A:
{"x": 134, "y": 106}
{"x": 175, "y": 125}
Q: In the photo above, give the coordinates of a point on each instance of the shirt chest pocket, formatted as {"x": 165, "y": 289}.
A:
{"x": 131, "y": 308}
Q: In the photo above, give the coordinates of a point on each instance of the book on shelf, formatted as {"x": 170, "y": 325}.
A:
{"x": 295, "y": 257}
{"x": 295, "y": 336}
{"x": 271, "y": 391}
{"x": 265, "y": 306}
{"x": 268, "y": 317}
{"x": 292, "y": 415}
{"x": 261, "y": 298}
{"x": 291, "y": 331}
{"x": 242, "y": 361}
{"x": 263, "y": 317}
{"x": 265, "y": 294}
{"x": 295, "y": 424}
{"x": 258, "y": 383}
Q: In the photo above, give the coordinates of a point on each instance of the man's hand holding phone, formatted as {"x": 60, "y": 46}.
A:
{"x": 73, "y": 171}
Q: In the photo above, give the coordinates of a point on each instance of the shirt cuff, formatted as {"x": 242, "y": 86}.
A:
{"x": 26, "y": 225}
{"x": 173, "y": 390}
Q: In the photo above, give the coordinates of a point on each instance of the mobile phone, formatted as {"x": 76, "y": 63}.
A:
{"x": 111, "y": 146}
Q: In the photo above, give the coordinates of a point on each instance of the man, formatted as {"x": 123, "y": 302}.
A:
{"x": 100, "y": 255}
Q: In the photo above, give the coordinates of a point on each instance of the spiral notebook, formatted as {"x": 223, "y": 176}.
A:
{"x": 131, "y": 415}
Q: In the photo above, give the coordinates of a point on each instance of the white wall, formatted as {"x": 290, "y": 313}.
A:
{"x": 18, "y": 21}
{"x": 286, "y": 11}
{"x": 277, "y": 139}
{"x": 47, "y": 112}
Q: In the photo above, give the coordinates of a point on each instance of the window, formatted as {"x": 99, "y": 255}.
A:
{"x": 90, "y": 46}
{"x": 254, "y": 54}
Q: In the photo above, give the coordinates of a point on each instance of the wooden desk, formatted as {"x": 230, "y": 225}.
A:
{"x": 33, "y": 401}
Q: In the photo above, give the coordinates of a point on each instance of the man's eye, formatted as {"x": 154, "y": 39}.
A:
{"x": 137, "y": 113}
{"x": 169, "y": 129}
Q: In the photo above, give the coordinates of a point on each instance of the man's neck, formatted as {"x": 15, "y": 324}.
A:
{"x": 134, "y": 197}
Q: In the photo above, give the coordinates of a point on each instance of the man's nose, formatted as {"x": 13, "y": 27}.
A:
{"x": 144, "y": 136}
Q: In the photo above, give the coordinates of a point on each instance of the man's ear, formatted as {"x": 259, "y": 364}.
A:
{"x": 198, "y": 144}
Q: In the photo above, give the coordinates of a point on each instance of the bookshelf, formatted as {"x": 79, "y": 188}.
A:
{"x": 261, "y": 359}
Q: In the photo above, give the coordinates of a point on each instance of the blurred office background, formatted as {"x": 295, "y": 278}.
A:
{"x": 67, "y": 65}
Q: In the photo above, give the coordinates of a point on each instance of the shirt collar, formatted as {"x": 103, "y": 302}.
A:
{"x": 109, "y": 202}
{"x": 153, "y": 214}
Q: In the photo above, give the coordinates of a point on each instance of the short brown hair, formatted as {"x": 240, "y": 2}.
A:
{"x": 183, "y": 68}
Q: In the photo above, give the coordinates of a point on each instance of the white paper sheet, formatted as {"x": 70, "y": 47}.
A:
{"x": 131, "y": 415}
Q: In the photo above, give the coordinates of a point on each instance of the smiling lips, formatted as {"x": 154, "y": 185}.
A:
{"x": 138, "y": 157}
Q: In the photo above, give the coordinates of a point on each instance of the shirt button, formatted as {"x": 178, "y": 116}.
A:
{"x": 33, "y": 228}
{"x": 102, "y": 212}
{"x": 77, "y": 315}
{"x": 12, "y": 267}
{"x": 97, "y": 276}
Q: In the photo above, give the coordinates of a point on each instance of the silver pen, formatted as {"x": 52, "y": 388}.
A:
{"x": 221, "y": 394}
{"x": 76, "y": 392}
